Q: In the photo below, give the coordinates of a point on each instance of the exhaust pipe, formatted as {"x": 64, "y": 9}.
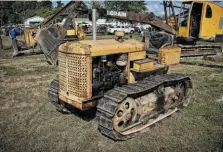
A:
{"x": 94, "y": 29}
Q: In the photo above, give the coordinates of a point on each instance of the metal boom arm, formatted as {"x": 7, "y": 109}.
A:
{"x": 142, "y": 18}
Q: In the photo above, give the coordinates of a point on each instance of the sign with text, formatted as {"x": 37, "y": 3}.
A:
{"x": 117, "y": 13}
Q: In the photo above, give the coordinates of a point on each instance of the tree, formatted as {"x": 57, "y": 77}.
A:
{"x": 59, "y": 4}
{"x": 5, "y": 11}
{"x": 15, "y": 12}
{"x": 134, "y": 6}
{"x": 94, "y": 4}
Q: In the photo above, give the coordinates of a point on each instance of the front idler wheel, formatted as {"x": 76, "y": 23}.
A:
{"x": 125, "y": 115}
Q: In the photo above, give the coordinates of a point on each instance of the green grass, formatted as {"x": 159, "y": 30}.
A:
{"x": 28, "y": 121}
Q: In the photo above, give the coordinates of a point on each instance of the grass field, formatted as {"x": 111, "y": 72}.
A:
{"x": 28, "y": 121}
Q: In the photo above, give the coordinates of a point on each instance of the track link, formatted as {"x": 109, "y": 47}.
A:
{"x": 54, "y": 97}
{"x": 199, "y": 50}
{"x": 107, "y": 105}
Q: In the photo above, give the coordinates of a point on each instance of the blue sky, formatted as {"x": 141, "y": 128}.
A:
{"x": 153, "y": 6}
{"x": 157, "y": 8}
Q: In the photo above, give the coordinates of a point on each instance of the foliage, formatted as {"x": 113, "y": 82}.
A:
{"x": 43, "y": 12}
{"x": 16, "y": 12}
{"x": 59, "y": 4}
{"x": 135, "y": 6}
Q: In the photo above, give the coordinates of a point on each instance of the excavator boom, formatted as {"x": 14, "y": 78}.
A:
{"x": 50, "y": 35}
{"x": 150, "y": 19}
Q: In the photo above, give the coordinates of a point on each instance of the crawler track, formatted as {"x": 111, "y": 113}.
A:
{"x": 203, "y": 65}
{"x": 54, "y": 97}
{"x": 199, "y": 50}
{"x": 107, "y": 106}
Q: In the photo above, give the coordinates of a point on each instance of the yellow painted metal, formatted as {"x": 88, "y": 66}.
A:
{"x": 131, "y": 77}
{"x": 29, "y": 37}
{"x": 75, "y": 77}
{"x": 75, "y": 67}
{"x": 183, "y": 31}
{"x": 137, "y": 55}
{"x": 169, "y": 55}
{"x": 102, "y": 47}
{"x": 209, "y": 27}
{"x": 77, "y": 31}
{"x": 171, "y": 22}
{"x": 71, "y": 32}
{"x": 143, "y": 65}
{"x": 81, "y": 34}
{"x": 132, "y": 56}
{"x": 119, "y": 34}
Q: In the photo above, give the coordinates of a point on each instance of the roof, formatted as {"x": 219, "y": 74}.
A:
{"x": 219, "y": 3}
{"x": 35, "y": 18}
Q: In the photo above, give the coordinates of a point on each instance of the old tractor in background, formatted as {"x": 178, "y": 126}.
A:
{"x": 130, "y": 91}
{"x": 46, "y": 37}
{"x": 26, "y": 45}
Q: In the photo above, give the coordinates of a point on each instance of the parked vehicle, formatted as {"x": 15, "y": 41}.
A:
{"x": 138, "y": 29}
{"x": 125, "y": 29}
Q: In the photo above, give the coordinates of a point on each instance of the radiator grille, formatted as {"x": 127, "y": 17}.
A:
{"x": 73, "y": 74}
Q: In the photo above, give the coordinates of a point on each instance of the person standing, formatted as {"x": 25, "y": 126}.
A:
{"x": 12, "y": 35}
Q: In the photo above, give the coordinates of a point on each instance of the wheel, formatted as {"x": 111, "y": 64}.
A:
{"x": 121, "y": 115}
{"x": 131, "y": 32}
{"x": 125, "y": 115}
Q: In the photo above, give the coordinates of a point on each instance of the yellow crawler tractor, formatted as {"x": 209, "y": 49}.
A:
{"x": 130, "y": 91}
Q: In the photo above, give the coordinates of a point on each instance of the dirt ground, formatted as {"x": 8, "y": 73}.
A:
{"x": 28, "y": 121}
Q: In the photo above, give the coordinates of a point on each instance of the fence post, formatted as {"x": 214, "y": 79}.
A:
{"x": 1, "y": 44}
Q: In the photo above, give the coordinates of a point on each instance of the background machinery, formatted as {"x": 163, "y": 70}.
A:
{"x": 51, "y": 34}
{"x": 46, "y": 37}
{"x": 131, "y": 92}
{"x": 201, "y": 20}
{"x": 197, "y": 20}
{"x": 165, "y": 34}
{"x": 27, "y": 45}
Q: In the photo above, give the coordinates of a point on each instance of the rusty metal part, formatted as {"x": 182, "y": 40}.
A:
{"x": 199, "y": 50}
{"x": 152, "y": 121}
{"x": 31, "y": 51}
{"x": 216, "y": 58}
{"x": 125, "y": 114}
{"x": 109, "y": 107}
{"x": 70, "y": 7}
{"x": 51, "y": 36}
{"x": 142, "y": 18}
{"x": 202, "y": 64}
{"x": 169, "y": 4}
{"x": 49, "y": 45}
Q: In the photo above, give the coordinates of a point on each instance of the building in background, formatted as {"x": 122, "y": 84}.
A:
{"x": 33, "y": 21}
